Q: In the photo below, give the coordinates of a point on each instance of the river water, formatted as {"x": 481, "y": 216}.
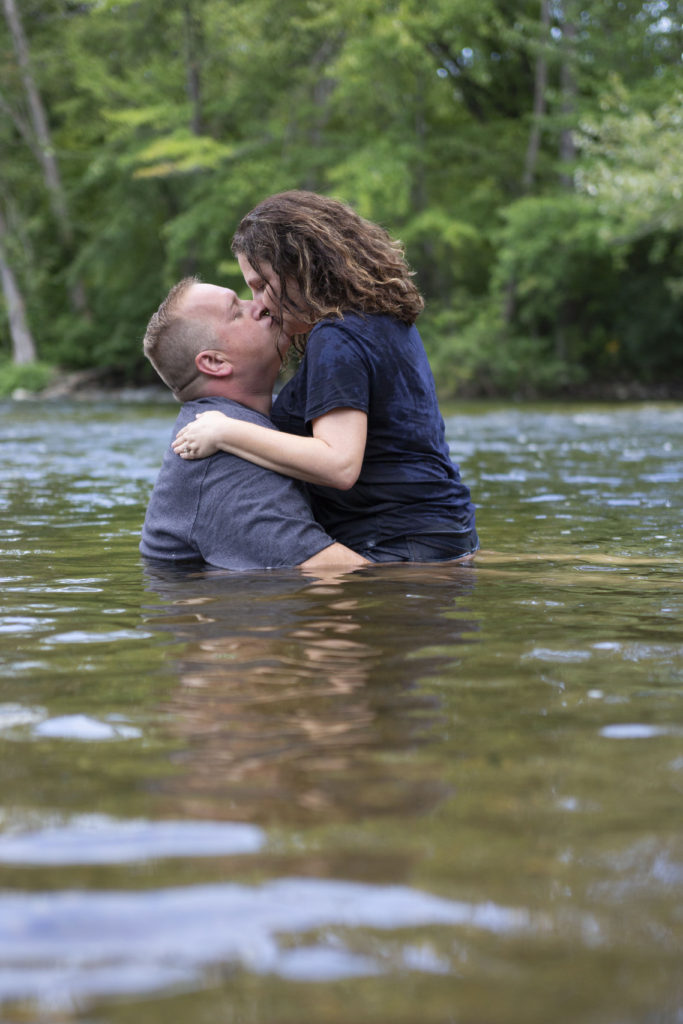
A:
{"x": 407, "y": 794}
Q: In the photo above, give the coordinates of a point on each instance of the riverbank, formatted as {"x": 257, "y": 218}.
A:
{"x": 96, "y": 385}
{"x": 92, "y": 386}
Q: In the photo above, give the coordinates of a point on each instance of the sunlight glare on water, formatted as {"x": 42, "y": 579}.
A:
{"x": 408, "y": 793}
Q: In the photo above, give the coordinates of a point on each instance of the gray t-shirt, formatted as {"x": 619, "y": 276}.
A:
{"x": 226, "y": 511}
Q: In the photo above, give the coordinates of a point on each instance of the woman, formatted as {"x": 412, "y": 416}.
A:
{"x": 359, "y": 421}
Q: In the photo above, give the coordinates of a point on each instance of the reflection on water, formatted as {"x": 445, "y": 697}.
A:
{"x": 289, "y": 687}
{"x": 435, "y": 793}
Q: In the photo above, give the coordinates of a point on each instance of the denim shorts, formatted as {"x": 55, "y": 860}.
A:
{"x": 423, "y": 547}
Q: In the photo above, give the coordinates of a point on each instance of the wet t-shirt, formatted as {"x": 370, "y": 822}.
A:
{"x": 408, "y": 482}
{"x": 226, "y": 511}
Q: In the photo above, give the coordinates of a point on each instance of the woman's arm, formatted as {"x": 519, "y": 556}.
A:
{"x": 332, "y": 457}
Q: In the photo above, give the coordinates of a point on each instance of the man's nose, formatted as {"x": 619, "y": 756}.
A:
{"x": 250, "y": 309}
{"x": 260, "y": 307}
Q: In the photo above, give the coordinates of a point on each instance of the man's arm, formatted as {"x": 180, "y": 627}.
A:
{"x": 249, "y": 517}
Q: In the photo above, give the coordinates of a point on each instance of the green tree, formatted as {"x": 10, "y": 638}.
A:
{"x": 524, "y": 152}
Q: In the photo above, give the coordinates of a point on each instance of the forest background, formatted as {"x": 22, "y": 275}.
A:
{"x": 528, "y": 155}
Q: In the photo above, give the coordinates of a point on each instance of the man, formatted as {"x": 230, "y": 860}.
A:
{"x": 216, "y": 351}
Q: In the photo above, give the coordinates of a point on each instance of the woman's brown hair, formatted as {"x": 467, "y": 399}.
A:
{"x": 341, "y": 262}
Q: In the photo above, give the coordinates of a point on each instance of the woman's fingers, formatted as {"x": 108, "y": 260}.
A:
{"x": 183, "y": 446}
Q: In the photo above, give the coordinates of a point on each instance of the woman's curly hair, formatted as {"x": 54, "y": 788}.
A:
{"x": 340, "y": 261}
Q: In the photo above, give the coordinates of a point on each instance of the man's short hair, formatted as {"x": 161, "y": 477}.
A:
{"x": 172, "y": 340}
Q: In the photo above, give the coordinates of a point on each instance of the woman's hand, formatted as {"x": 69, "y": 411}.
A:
{"x": 202, "y": 437}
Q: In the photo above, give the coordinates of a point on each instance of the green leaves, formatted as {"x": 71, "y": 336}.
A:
{"x": 180, "y": 153}
{"x": 171, "y": 118}
{"x": 633, "y": 170}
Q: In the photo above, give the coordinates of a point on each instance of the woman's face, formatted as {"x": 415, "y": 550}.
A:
{"x": 265, "y": 288}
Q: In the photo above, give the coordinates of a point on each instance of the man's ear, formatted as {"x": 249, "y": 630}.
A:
{"x": 213, "y": 363}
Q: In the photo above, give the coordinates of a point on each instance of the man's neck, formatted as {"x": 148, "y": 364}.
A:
{"x": 260, "y": 400}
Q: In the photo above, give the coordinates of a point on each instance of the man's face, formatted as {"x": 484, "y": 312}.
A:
{"x": 247, "y": 334}
{"x": 265, "y": 288}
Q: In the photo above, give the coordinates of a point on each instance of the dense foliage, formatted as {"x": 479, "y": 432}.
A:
{"x": 527, "y": 154}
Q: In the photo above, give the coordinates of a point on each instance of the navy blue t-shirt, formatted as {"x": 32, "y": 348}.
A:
{"x": 408, "y": 483}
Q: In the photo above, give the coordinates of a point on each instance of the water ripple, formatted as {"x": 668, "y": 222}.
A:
{"x": 99, "y": 839}
{"x": 15, "y": 717}
{"x": 59, "y": 946}
{"x": 636, "y": 731}
{"x": 84, "y": 728}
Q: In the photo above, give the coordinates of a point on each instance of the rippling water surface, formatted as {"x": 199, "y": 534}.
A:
{"x": 407, "y": 794}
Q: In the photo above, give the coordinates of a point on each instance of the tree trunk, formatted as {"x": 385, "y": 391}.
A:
{"x": 321, "y": 90}
{"x": 43, "y": 147}
{"x": 194, "y": 44}
{"x": 432, "y": 274}
{"x": 568, "y": 93}
{"x": 567, "y": 152}
{"x": 193, "y": 62}
{"x": 540, "y": 87}
{"x": 23, "y": 345}
{"x": 534, "y": 144}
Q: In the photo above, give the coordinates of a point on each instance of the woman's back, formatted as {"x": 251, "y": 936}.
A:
{"x": 408, "y": 483}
